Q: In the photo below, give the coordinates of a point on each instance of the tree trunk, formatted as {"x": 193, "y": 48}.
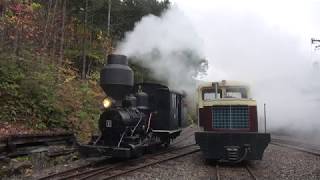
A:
{"x": 61, "y": 51}
{"x": 90, "y": 45}
{"x": 89, "y": 68}
{"x": 54, "y": 32}
{"x": 16, "y": 42}
{"x": 45, "y": 35}
{"x": 2, "y": 7}
{"x": 16, "y": 46}
{"x": 2, "y": 31}
{"x": 84, "y": 58}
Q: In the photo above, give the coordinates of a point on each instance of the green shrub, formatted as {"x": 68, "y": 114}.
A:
{"x": 28, "y": 93}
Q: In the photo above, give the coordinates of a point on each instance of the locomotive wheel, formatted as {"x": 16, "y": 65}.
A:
{"x": 136, "y": 151}
{"x": 137, "y": 154}
{"x": 166, "y": 145}
{"x": 152, "y": 149}
{"x": 165, "y": 141}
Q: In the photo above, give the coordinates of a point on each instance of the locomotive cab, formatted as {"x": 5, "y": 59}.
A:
{"x": 227, "y": 117}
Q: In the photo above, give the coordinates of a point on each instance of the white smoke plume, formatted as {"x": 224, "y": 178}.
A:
{"x": 264, "y": 43}
{"x": 168, "y": 46}
{"x": 267, "y": 44}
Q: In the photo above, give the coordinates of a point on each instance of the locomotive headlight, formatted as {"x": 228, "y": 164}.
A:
{"x": 106, "y": 103}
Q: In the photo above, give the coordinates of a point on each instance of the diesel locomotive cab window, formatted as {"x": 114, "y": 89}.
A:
{"x": 236, "y": 93}
{"x": 210, "y": 94}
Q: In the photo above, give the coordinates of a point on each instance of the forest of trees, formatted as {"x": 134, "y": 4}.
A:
{"x": 51, "y": 52}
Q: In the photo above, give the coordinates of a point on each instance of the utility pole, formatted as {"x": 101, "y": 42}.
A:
{"x": 316, "y": 42}
{"x": 315, "y": 46}
{"x": 108, "y": 30}
{"x": 109, "y": 13}
{"x": 84, "y": 41}
{"x": 265, "y": 118}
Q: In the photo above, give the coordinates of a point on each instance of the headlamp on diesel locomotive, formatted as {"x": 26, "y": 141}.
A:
{"x": 107, "y": 102}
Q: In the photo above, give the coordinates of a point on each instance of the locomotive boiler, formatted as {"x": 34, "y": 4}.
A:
{"x": 227, "y": 116}
{"x": 137, "y": 118}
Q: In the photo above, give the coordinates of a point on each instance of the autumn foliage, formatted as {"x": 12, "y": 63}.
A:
{"x": 51, "y": 53}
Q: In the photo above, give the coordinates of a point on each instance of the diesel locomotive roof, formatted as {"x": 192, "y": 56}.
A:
{"x": 161, "y": 86}
{"x": 224, "y": 83}
{"x": 224, "y": 100}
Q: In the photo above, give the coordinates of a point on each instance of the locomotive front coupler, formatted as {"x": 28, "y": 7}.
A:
{"x": 236, "y": 154}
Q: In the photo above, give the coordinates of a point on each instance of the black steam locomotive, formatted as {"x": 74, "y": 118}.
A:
{"x": 137, "y": 118}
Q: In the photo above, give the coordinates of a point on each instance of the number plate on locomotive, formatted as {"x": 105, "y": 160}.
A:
{"x": 108, "y": 123}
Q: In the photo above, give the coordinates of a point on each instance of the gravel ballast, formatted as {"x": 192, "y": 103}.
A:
{"x": 278, "y": 163}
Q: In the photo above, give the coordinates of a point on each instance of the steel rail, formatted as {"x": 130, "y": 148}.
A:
{"x": 217, "y": 172}
{"x": 250, "y": 171}
{"x": 84, "y": 170}
{"x": 64, "y": 172}
{"x": 121, "y": 164}
{"x": 246, "y": 167}
{"x": 132, "y": 169}
{"x": 72, "y": 170}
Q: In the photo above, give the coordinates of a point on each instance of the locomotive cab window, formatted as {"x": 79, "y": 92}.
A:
{"x": 210, "y": 94}
{"x": 234, "y": 92}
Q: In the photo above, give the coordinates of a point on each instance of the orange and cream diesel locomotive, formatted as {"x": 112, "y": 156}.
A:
{"x": 227, "y": 117}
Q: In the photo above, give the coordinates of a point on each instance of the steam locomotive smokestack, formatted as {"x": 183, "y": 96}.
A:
{"x": 116, "y": 78}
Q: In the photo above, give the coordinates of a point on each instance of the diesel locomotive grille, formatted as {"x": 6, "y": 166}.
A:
{"x": 230, "y": 117}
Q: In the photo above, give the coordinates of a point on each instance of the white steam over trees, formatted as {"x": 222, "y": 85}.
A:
{"x": 265, "y": 43}
{"x": 169, "y": 47}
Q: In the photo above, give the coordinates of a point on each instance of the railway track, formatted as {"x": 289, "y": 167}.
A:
{"x": 184, "y": 136}
{"x": 250, "y": 171}
{"x": 111, "y": 170}
{"x": 217, "y": 172}
{"x": 81, "y": 169}
{"x": 107, "y": 164}
{"x": 300, "y": 146}
{"x": 292, "y": 144}
{"x": 246, "y": 167}
{"x": 181, "y": 152}
{"x": 20, "y": 145}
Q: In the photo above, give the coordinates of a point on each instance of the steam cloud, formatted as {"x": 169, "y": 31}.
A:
{"x": 267, "y": 45}
{"x": 169, "y": 47}
{"x": 240, "y": 44}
